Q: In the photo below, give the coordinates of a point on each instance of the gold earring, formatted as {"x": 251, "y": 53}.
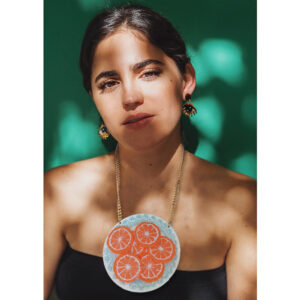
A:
{"x": 188, "y": 108}
{"x": 103, "y": 132}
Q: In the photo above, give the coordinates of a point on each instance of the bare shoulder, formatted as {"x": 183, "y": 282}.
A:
{"x": 232, "y": 192}
{"x": 229, "y": 201}
{"x": 71, "y": 186}
{"x": 67, "y": 176}
{"x": 215, "y": 173}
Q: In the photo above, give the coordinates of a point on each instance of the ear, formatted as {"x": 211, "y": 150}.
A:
{"x": 189, "y": 80}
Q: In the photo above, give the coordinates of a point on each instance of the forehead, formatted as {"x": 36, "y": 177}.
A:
{"x": 126, "y": 47}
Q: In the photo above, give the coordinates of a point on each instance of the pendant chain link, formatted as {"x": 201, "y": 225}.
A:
{"x": 176, "y": 192}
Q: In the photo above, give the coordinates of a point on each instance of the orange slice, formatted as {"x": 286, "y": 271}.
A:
{"x": 137, "y": 249}
{"x": 150, "y": 269}
{"x": 147, "y": 233}
{"x": 163, "y": 250}
{"x": 120, "y": 240}
{"x": 127, "y": 267}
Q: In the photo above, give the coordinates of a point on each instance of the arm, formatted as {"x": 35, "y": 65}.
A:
{"x": 54, "y": 242}
{"x": 241, "y": 257}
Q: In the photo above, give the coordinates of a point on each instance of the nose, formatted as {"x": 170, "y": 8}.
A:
{"x": 132, "y": 97}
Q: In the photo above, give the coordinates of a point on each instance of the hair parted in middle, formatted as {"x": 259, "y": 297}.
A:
{"x": 156, "y": 28}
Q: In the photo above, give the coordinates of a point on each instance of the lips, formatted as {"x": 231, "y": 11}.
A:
{"x": 136, "y": 118}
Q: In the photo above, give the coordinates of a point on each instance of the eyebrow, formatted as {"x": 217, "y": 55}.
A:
{"x": 135, "y": 67}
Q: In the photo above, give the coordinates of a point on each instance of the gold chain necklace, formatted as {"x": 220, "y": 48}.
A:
{"x": 142, "y": 251}
{"x": 176, "y": 192}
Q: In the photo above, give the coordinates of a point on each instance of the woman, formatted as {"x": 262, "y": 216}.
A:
{"x": 136, "y": 70}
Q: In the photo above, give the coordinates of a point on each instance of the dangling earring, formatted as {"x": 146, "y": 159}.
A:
{"x": 188, "y": 108}
{"x": 103, "y": 132}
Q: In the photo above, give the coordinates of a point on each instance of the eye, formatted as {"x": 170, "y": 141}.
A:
{"x": 151, "y": 74}
{"x": 107, "y": 84}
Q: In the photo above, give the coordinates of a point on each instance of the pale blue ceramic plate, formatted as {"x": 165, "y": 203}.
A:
{"x": 139, "y": 286}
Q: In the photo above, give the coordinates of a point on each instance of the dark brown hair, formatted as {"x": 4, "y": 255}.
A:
{"x": 157, "y": 29}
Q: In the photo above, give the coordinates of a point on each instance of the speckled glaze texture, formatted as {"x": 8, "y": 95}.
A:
{"x": 139, "y": 286}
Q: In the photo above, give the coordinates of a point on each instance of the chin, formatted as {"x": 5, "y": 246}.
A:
{"x": 146, "y": 142}
{"x": 143, "y": 144}
{"x": 154, "y": 135}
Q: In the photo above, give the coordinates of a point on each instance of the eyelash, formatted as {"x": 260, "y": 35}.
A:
{"x": 104, "y": 85}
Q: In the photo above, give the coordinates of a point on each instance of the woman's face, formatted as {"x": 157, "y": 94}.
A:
{"x": 138, "y": 90}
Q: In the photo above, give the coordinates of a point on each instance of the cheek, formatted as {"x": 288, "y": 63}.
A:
{"x": 169, "y": 106}
{"x": 171, "y": 113}
{"x": 108, "y": 111}
{"x": 171, "y": 99}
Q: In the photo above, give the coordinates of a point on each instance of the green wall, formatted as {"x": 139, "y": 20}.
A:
{"x": 221, "y": 40}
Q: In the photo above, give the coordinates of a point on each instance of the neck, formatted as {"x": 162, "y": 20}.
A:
{"x": 152, "y": 163}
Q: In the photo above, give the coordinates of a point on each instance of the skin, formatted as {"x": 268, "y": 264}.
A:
{"x": 215, "y": 217}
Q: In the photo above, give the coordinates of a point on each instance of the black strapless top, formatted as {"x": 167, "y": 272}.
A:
{"x": 81, "y": 276}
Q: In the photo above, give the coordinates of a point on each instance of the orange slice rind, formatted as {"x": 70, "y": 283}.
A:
{"x": 150, "y": 269}
{"x": 147, "y": 234}
{"x": 137, "y": 249}
{"x": 120, "y": 240}
{"x": 163, "y": 250}
{"x": 127, "y": 267}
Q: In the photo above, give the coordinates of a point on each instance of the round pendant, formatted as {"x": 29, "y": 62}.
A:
{"x": 141, "y": 253}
